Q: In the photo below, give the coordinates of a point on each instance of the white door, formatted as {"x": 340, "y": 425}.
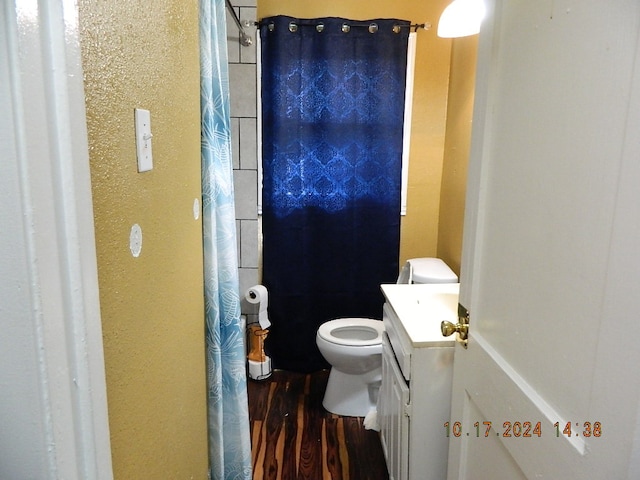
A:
{"x": 551, "y": 261}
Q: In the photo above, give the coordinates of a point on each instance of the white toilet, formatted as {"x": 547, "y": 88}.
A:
{"x": 353, "y": 347}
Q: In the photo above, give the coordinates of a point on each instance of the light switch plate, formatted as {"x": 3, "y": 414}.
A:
{"x": 143, "y": 139}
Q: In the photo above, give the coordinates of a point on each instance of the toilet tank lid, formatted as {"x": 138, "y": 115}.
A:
{"x": 431, "y": 270}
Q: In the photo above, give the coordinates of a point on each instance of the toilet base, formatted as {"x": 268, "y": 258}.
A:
{"x": 352, "y": 395}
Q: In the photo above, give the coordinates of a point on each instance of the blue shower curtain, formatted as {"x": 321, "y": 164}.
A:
{"x": 333, "y": 108}
{"x": 228, "y": 418}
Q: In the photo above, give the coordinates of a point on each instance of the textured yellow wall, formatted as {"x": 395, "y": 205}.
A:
{"x": 456, "y": 155}
{"x": 145, "y": 55}
{"x": 419, "y": 234}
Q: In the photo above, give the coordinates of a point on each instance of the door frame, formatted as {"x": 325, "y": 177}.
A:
{"x": 61, "y": 318}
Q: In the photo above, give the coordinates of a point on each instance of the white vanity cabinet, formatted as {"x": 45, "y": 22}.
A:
{"x": 417, "y": 368}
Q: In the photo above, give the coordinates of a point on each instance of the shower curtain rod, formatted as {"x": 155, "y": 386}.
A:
{"x": 245, "y": 40}
{"x": 363, "y": 23}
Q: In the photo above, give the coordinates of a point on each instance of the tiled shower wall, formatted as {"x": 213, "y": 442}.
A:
{"x": 243, "y": 88}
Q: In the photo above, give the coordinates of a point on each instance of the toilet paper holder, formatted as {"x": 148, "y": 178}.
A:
{"x": 256, "y": 303}
{"x": 257, "y": 298}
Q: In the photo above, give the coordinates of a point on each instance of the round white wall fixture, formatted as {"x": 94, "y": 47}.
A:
{"x": 196, "y": 209}
{"x": 135, "y": 240}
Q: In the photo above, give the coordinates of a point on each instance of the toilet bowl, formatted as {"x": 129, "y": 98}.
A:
{"x": 353, "y": 347}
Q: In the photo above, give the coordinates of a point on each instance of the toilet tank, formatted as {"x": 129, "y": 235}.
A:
{"x": 431, "y": 270}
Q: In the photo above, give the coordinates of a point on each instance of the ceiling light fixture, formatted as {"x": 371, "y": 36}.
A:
{"x": 461, "y": 18}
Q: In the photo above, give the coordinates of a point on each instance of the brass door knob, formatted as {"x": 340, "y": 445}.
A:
{"x": 462, "y": 329}
{"x": 449, "y": 328}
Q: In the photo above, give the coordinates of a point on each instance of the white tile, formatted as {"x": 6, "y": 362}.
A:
{"x": 238, "y": 239}
{"x": 242, "y": 88}
{"x": 243, "y": 3}
{"x": 249, "y": 243}
{"x": 233, "y": 43}
{"x": 248, "y": 277}
{"x": 246, "y": 194}
{"x": 235, "y": 142}
{"x": 248, "y": 144}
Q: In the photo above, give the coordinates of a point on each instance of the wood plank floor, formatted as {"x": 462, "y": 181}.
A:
{"x": 294, "y": 438}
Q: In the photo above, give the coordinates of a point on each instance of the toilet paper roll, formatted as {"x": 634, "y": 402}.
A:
{"x": 258, "y": 295}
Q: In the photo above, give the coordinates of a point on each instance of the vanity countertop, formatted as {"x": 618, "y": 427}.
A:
{"x": 421, "y": 308}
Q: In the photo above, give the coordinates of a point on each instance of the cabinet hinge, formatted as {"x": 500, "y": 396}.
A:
{"x": 407, "y": 409}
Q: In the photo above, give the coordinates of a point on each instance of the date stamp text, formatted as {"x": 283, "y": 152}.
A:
{"x": 524, "y": 429}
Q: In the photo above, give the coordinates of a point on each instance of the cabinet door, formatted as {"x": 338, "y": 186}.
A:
{"x": 394, "y": 422}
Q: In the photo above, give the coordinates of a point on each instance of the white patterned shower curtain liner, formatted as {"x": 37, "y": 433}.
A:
{"x": 229, "y": 438}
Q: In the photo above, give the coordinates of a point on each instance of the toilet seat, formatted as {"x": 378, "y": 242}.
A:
{"x": 354, "y": 332}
